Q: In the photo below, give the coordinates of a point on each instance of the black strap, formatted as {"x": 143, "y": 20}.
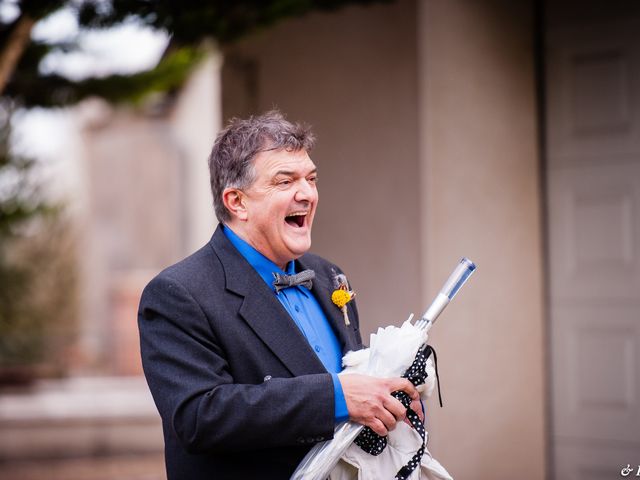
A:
{"x": 432, "y": 351}
{"x": 374, "y": 444}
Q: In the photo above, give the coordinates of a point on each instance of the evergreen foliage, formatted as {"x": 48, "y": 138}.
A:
{"x": 188, "y": 22}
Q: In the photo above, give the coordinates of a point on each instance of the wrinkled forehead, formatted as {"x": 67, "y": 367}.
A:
{"x": 280, "y": 160}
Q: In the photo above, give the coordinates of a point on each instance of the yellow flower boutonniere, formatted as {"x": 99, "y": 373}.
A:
{"x": 342, "y": 295}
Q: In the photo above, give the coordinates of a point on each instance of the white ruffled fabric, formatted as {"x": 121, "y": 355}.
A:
{"x": 390, "y": 348}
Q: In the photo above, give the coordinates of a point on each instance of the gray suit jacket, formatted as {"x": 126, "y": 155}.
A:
{"x": 240, "y": 391}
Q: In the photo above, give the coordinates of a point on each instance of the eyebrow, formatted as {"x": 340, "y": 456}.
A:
{"x": 291, "y": 173}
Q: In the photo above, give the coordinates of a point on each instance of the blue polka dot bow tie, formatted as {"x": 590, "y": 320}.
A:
{"x": 304, "y": 279}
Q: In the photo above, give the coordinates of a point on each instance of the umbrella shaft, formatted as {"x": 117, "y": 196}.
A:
{"x": 432, "y": 313}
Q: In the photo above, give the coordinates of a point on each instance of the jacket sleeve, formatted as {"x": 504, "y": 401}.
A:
{"x": 198, "y": 399}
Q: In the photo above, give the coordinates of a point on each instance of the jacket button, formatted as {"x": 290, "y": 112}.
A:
{"x": 267, "y": 378}
{"x": 319, "y": 439}
{"x": 310, "y": 440}
{"x": 300, "y": 440}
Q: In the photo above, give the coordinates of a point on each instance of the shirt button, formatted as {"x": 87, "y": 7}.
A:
{"x": 297, "y": 308}
{"x": 317, "y": 348}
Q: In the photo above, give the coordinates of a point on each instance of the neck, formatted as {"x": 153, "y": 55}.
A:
{"x": 239, "y": 231}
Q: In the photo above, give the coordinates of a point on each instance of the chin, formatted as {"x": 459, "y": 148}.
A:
{"x": 300, "y": 248}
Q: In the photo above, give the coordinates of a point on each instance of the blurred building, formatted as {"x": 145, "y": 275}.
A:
{"x": 147, "y": 205}
{"x": 505, "y": 131}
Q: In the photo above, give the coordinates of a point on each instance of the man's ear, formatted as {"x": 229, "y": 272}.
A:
{"x": 233, "y": 200}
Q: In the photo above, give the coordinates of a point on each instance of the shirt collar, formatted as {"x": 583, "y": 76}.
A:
{"x": 261, "y": 264}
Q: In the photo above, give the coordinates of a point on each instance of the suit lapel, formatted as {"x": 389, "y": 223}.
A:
{"x": 263, "y": 312}
{"x": 322, "y": 289}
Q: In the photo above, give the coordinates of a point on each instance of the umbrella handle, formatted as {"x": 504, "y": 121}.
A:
{"x": 458, "y": 277}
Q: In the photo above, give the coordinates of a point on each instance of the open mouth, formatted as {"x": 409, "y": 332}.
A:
{"x": 296, "y": 219}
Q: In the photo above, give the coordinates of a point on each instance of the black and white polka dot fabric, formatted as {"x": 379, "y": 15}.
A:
{"x": 371, "y": 442}
{"x": 374, "y": 444}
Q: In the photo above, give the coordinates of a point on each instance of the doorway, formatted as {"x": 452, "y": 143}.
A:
{"x": 592, "y": 63}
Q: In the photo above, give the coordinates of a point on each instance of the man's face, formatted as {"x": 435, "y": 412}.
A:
{"x": 280, "y": 205}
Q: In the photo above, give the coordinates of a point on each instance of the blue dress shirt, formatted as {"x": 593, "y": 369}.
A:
{"x": 305, "y": 311}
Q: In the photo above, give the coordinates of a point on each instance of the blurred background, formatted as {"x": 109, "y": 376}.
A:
{"x": 507, "y": 131}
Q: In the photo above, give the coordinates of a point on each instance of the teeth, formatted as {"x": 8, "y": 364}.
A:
{"x": 297, "y": 214}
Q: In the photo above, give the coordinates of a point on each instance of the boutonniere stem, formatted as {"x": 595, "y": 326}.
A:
{"x": 342, "y": 295}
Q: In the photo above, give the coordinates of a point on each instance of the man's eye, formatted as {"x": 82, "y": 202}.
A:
{"x": 312, "y": 179}
{"x": 284, "y": 182}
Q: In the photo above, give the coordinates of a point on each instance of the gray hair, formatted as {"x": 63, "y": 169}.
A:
{"x": 231, "y": 160}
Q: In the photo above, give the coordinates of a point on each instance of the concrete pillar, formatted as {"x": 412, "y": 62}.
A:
{"x": 148, "y": 205}
{"x": 195, "y": 122}
{"x": 481, "y": 198}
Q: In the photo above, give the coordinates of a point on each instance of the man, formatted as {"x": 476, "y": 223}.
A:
{"x": 242, "y": 370}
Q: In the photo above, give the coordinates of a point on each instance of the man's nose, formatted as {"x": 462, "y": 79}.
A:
{"x": 306, "y": 191}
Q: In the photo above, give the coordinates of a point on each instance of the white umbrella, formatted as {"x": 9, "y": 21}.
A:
{"x": 392, "y": 350}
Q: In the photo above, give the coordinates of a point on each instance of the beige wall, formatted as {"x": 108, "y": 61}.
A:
{"x": 352, "y": 75}
{"x": 426, "y": 118}
{"x": 481, "y": 198}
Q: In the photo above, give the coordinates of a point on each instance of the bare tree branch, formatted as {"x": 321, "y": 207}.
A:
{"x": 13, "y": 49}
